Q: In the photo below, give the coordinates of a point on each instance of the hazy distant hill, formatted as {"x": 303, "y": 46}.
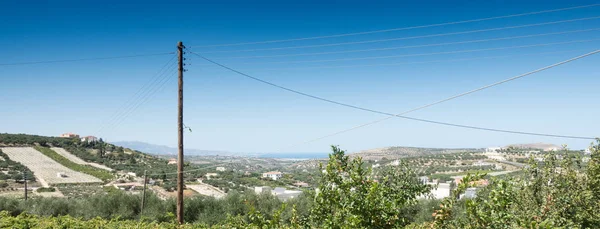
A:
{"x": 393, "y": 152}
{"x": 401, "y": 151}
{"x": 542, "y": 146}
{"x": 165, "y": 150}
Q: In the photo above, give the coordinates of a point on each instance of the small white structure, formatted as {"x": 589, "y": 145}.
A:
{"x": 221, "y": 169}
{"x": 89, "y": 139}
{"x": 284, "y": 194}
{"x": 273, "y": 175}
{"x": 301, "y": 184}
{"x": 441, "y": 190}
{"x": 209, "y": 175}
{"x": 492, "y": 149}
{"x": 61, "y": 175}
{"x": 172, "y": 161}
{"x": 395, "y": 163}
{"x": 481, "y": 163}
{"x": 470, "y": 193}
{"x": 263, "y": 189}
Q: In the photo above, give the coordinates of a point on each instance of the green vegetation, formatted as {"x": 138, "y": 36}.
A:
{"x": 43, "y": 189}
{"x": 558, "y": 193}
{"x": 562, "y": 191}
{"x": 350, "y": 197}
{"x": 29, "y": 140}
{"x": 99, "y": 173}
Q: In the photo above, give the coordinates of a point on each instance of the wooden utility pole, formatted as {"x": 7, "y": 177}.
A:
{"x": 25, "y": 181}
{"x": 180, "y": 138}
{"x": 144, "y": 195}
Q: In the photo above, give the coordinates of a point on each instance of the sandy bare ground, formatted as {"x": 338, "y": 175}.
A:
{"x": 45, "y": 169}
{"x": 207, "y": 190}
{"x": 78, "y": 160}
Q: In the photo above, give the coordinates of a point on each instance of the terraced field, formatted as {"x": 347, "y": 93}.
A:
{"x": 69, "y": 156}
{"x": 76, "y": 159}
{"x": 46, "y": 169}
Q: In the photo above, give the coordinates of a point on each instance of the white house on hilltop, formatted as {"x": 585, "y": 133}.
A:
{"x": 492, "y": 149}
{"x": 273, "y": 175}
{"x": 89, "y": 139}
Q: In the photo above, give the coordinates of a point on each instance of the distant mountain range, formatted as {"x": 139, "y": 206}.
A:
{"x": 166, "y": 150}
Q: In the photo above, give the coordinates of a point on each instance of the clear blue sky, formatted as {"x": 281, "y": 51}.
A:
{"x": 229, "y": 112}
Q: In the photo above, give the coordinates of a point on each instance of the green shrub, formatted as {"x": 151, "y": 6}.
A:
{"x": 44, "y": 189}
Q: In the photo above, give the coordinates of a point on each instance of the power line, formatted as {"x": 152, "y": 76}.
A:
{"x": 410, "y": 46}
{"x": 135, "y": 96}
{"x": 464, "y": 94}
{"x": 186, "y": 171}
{"x": 421, "y": 62}
{"x": 146, "y": 98}
{"x": 85, "y": 59}
{"x": 391, "y": 115}
{"x": 402, "y": 28}
{"x": 406, "y": 38}
{"x": 156, "y": 85}
{"x": 425, "y": 54}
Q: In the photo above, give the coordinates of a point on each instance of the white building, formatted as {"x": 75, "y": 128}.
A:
{"x": 492, "y": 149}
{"x": 395, "y": 163}
{"x": 441, "y": 190}
{"x": 284, "y": 194}
{"x": 273, "y": 175}
{"x": 221, "y": 169}
{"x": 209, "y": 175}
{"x": 263, "y": 189}
{"x": 470, "y": 193}
{"x": 481, "y": 163}
{"x": 89, "y": 139}
{"x": 172, "y": 161}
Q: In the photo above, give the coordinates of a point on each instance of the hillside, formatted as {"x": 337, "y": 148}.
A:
{"x": 542, "y": 146}
{"x": 395, "y": 152}
{"x": 54, "y": 160}
{"x": 387, "y": 153}
{"x": 165, "y": 150}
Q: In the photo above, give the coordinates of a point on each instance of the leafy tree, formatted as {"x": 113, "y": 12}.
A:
{"x": 350, "y": 196}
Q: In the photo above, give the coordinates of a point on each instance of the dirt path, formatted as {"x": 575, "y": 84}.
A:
{"x": 207, "y": 190}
